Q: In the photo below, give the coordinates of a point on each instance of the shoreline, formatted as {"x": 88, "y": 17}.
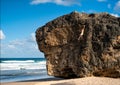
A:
{"x": 45, "y": 79}
{"x": 76, "y": 81}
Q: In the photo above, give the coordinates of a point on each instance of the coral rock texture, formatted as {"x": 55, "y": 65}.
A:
{"x": 80, "y": 44}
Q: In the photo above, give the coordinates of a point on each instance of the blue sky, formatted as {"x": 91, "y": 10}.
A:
{"x": 21, "y": 18}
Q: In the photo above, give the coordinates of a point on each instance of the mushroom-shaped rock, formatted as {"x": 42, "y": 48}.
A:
{"x": 80, "y": 44}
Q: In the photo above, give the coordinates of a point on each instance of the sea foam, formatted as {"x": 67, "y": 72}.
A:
{"x": 19, "y": 65}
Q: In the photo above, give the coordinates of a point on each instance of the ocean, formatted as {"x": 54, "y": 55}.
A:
{"x": 22, "y": 69}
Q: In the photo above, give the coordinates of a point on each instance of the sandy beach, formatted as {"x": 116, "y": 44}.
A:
{"x": 78, "y": 81}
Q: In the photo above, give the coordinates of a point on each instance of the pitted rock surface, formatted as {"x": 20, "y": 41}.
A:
{"x": 79, "y": 45}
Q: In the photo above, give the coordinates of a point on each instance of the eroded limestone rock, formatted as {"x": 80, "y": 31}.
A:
{"x": 79, "y": 45}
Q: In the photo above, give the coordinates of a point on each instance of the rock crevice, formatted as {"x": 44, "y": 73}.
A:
{"x": 79, "y": 45}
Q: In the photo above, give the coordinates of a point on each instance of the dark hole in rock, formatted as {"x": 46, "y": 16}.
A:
{"x": 68, "y": 72}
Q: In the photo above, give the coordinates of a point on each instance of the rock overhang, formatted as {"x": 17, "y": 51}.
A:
{"x": 80, "y": 44}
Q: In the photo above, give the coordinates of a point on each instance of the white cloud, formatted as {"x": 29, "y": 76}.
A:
{"x": 91, "y": 11}
{"x": 11, "y": 46}
{"x": 117, "y": 7}
{"x": 17, "y": 42}
{"x": 21, "y": 48}
{"x": 58, "y": 2}
{"x": 109, "y": 6}
{"x": 116, "y": 15}
{"x": 2, "y": 35}
{"x": 33, "y": 37}
{"x": 101, "y": 0}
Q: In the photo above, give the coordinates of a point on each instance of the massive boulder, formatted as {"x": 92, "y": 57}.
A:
{"x": 80, "y": 44}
